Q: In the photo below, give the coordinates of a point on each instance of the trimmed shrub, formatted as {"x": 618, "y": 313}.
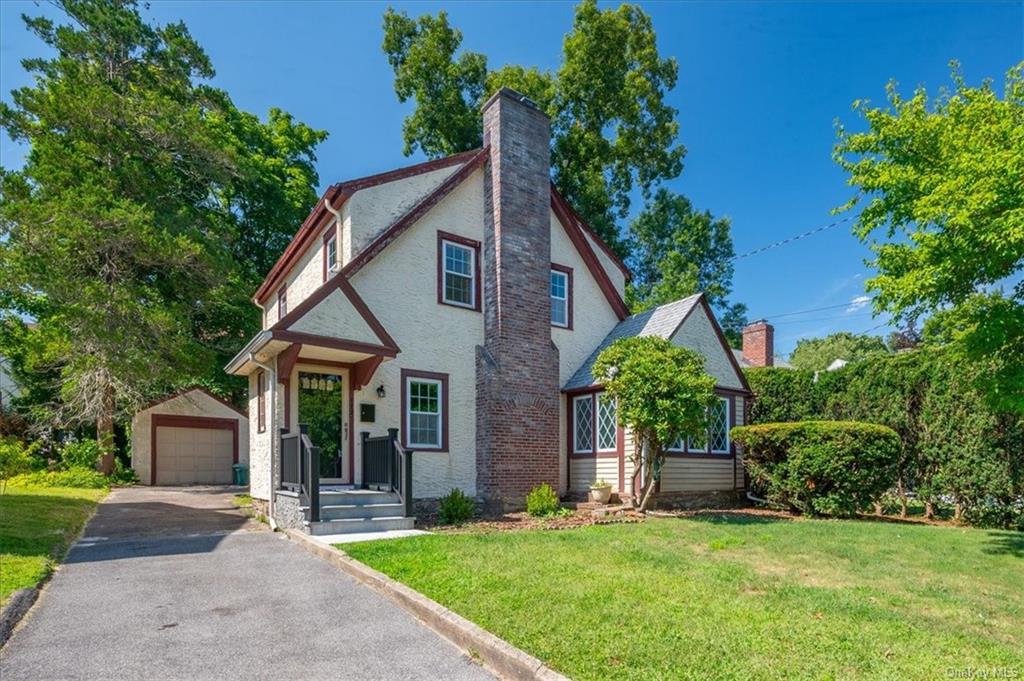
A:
{"x": 73, "y": 477}
{"x": 455, "y": 507}
{"x": 542, "y": 501}
{"x": 821, "y": 467}
{"x": 80, "y": 454}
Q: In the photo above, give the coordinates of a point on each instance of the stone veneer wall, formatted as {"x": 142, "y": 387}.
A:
{"x": 517, "y": 367}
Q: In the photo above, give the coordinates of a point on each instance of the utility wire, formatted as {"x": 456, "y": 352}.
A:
{"x": 791, "y": 239}
{"x": 857, "y": 304}
{"x": 822, "y": 319}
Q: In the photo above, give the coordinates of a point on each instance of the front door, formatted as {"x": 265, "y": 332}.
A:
{"x": 321, "y": 401}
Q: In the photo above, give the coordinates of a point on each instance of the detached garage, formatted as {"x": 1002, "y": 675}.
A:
{"x": 189, "y": 438}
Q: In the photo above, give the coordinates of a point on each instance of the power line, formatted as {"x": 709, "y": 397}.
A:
{"x": 856, "y": 303}
{"x": 822, "y": 319}
{"x": 791, "y": 239}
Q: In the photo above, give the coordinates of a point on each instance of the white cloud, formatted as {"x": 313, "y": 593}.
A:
{"x": 858, "y": 302}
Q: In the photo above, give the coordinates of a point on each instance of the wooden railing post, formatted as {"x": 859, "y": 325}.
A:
{"x": 363, "y": 437}
{"x": 314, "y": 484}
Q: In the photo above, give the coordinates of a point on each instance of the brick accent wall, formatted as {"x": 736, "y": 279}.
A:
{"x": 517, "y": 367}
{"x": 759, "y": 344}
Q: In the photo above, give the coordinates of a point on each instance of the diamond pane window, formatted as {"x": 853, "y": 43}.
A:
{"x": 459, "y": 272}
{"x": 583, "y": 424}
{"x": 606, "y": 425}
{"x": 718, "y": 426}
{"x": 424, "y": 413}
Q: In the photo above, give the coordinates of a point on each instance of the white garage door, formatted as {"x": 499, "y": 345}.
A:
{"x": 190, "y": 456}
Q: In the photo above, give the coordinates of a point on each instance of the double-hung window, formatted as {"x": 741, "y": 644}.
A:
{"x": 330, "y": 254}
{"x": 425, "y": 418}
{"x": 561, "y": 291}
{"x": 595, "y": 426}
{"x": 458, "y": 271}
{"x": 261, "y": 402}
{"x": 282, "y": 301}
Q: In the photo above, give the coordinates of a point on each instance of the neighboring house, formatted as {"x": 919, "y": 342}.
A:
{"x": 460, "y": 302}
{"x": 759, "y": 347}
{"x": 8, "y": 388}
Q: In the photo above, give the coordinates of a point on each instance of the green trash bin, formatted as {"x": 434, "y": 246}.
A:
{"x": 240, "y": 474}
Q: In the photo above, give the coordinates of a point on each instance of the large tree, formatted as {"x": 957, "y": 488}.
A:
{"x": 940, "y": 183}
{"x": 817, "y": 353}
{"x": 134, "y": 232}
{"x": 678, "y": 251}
{"x": 612, "y": 131}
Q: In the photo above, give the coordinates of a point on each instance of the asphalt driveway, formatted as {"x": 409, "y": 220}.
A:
{"x": 174, "y": 583}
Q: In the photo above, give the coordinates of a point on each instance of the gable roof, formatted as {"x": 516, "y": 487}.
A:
{"x": 185, "y": 391}
{"x": 337, "y": 194}
{"x": 663, "y": 321}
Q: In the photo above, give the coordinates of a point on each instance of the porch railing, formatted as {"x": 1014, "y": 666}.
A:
{"x": 387, "y": 464}
{"x": 300, "y": 469}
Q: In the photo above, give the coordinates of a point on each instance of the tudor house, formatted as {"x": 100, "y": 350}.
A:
{"x": 434, "y": 327}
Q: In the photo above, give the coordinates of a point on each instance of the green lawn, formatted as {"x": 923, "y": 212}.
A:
{"x": 37, "y": 524}
{"x": 733, "y": 597}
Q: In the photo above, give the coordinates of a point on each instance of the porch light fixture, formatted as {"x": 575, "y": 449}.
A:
{"x": 381, "y": 393}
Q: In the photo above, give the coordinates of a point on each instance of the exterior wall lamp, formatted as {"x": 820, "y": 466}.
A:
{"x": 381, "y": 393}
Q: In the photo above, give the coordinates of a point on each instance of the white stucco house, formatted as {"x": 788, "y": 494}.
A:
{"x": 453, "y": 309}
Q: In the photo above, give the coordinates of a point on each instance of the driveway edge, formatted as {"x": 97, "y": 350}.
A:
{"x": 17, "y": 607}
{"x": 499, "y": 656}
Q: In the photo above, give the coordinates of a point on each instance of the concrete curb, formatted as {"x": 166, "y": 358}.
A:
{"x": 16, "y": 608}
{"x": 499, "y": 656}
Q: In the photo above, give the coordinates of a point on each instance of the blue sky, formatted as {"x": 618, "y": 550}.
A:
{"x": 761, "y": 84}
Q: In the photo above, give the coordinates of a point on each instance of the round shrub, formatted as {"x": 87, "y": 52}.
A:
{"x": 455, "y": 508}
{"x": 542, "y": 501}
{"x": 821, "y": 467}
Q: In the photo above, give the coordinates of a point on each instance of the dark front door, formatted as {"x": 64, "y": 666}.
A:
{"x": 320, "y": 405}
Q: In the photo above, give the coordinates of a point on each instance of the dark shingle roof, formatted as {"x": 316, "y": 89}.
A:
{"x": 661, "y": 321}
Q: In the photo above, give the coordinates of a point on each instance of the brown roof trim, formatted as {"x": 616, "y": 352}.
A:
{"x": 185, "y": 391}
{"x": 333, "y": 343}
{"x": 398, "y": 227}
{"x": 560, "y": 207}
{"x": 598, "y": 240}
{"x": 337, "y": 194}
{"x": 338, "y": 282}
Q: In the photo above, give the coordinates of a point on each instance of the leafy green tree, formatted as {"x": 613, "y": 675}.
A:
{"x": 817, "y": 353}
{"x": 678, "y": 251}
{"x": 662, "y": 395}
{"x": 131, "y": 232}
{"x": 939, "y": 183}
{"x": 612, "y": 131}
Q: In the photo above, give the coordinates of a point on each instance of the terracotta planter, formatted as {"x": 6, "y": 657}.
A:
{"x": 601, "y": 495}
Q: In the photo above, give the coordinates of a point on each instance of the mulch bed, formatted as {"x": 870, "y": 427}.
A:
{"x": 518, "y": 522}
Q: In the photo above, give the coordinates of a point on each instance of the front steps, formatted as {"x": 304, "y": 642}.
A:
{"x": 353, "y": 511}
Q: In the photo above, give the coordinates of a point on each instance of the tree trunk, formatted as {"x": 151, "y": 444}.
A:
{"x": 903, "y": 498}
{"x": 958, "y": 512}
{"x": 878, "y": 508}
{"x": 105, "y": 433}
{"x": 929, "y": 510}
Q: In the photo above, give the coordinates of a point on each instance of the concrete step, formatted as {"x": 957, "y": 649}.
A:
{"x": 343, "y": 511}
{"x": 358, "y": 497}
{"x": 357, "y": 525}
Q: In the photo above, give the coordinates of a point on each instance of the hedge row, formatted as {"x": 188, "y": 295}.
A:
{"x": 955, "y": 449}
{"x": 821, "y": 467}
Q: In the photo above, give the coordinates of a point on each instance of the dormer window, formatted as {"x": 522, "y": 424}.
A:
{"x": 282, "y": 301}
{"x": 458, "y": 271}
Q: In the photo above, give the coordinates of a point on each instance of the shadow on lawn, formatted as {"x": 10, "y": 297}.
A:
{"x": 739, "y": 517}
{"x": 1005, "y": 542}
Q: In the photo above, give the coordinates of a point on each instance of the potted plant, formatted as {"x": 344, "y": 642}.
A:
{"x": 600, "y": 492}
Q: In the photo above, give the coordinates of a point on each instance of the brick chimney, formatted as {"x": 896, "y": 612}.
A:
{"x": 759, "y": 344}
{"x": 517, "y": 366}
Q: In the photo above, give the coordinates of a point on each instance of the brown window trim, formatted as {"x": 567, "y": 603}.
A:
{"x": 282, "y": 301}
{"x": 707, "y": 453}
{"x": 567, "y": 271}
{"x": 331, "y": 233}
{"x": 434, "y": 376}
{"x": 594, "y": 452}
{"x": 468, "y": 243}
{"x": 261, "y": 402}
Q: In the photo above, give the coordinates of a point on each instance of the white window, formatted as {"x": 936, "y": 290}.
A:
{"x": 282, "y": 301}
{"x": 424, "y": 398}
{"x": 332, "y": 253}
{"x": 459, "y": 274}
{"x": 607, "y": 427}
{"x": 583, "y": 423}
{"x": 560, "y": 298}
